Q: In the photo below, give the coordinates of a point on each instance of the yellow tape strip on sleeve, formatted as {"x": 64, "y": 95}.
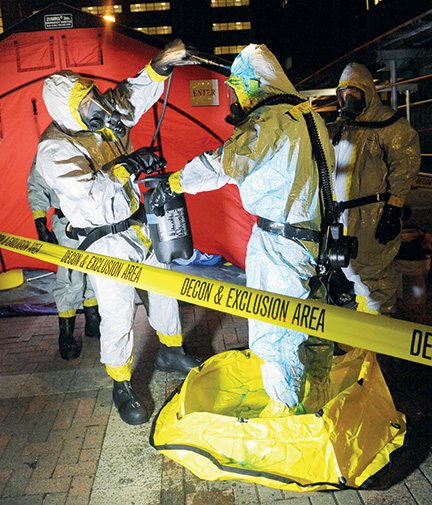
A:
{"x": 362, "y": 305}
{"x": 397, "y": 201}
{"x": 121, "y": 173}
{"x": 381, "y": 334}
{"x": 154, "y": 76}
{"x": 38, "y": 214}
{"x": 142, "y": 236}
{"x": 174, "y": 182}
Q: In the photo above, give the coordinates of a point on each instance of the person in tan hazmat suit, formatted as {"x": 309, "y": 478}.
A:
{"x": 377, "y": 158}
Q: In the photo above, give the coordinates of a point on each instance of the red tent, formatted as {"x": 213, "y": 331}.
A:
{"x": 60, "y": 37}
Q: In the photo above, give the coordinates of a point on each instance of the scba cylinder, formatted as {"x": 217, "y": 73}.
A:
{"x": 170, "y": 234}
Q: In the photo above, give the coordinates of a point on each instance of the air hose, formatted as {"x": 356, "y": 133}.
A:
{"x": 366, "y": 125}
{"x": 323, "y": 170}
{"x": 335, "y": 250}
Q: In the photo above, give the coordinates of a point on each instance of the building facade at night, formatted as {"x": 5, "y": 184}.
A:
{"x": 216, "y": 27}
{"x": 303, "y": 35}
{"x": 312, "y": 39}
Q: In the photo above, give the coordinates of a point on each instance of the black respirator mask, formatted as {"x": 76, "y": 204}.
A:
{"x": 101, "y": 114}
{"x": 350, "y": 106}
{"x": 237, "y": 114}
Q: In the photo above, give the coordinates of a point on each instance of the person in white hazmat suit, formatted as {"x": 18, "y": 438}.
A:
{"x": 71, "y": 288}
{"x": 269, "y": 156}
{"x": 86, "y": 156}
{"x": 377, "y": 158}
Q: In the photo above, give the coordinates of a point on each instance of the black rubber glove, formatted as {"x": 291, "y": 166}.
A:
{"x": 173, "y": 54}
{"x": 42, "y": 230}
{"x": 140, "y": 161}
{"x": 160, "y": 195}
{"x": 389, "y": 226}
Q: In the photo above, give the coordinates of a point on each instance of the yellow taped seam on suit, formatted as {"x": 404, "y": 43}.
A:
{"x": 397, "y": 338}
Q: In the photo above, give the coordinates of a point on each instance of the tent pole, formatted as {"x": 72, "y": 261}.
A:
{"x": 2, "y": 262}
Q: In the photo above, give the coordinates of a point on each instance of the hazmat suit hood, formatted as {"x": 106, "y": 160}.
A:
{"x": 62, "y": 94}
{"x": 256, "y": 74}
{"x": 357, "y": 75}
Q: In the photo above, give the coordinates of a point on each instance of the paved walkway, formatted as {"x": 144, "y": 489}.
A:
{"x": 62, "y": 442}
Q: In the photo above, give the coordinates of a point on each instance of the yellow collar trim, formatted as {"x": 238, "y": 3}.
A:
{"x": 81, "y": 88}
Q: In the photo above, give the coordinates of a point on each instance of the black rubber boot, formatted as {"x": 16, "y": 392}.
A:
{"x": 130, "y": 409}
{"x": 92, "y": 321}
{"x": 70, "y": 348}
{"x": 175, "y": 359}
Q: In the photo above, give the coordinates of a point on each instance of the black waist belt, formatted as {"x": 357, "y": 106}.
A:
{"x": 364, "y": 200}
{"x": 101, "y": 231}
{"x": 288, "y": 231}
{"x": 59, "y": 213}
{"x": 93, "y": 234}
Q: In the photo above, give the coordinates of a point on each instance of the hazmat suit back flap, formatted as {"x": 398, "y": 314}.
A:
{"x": 264, "y": 152}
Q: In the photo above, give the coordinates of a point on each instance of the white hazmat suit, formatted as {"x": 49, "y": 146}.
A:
{"x": 69, "y": 158}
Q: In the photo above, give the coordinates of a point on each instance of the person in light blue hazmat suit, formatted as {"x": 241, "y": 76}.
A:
{"x": 377, "y": 158}
{"x": 71, "y": 288}
{"x": 269, "y": 156}
{"x": 86, "y": 157}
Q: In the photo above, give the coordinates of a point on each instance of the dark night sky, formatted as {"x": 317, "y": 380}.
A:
{"x": 317, "y": 32}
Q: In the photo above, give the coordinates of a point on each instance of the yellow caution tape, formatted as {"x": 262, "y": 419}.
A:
{"x": 381, "y": 334}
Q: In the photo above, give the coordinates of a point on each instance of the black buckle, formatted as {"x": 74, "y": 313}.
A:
{"x": 121, "y": 226}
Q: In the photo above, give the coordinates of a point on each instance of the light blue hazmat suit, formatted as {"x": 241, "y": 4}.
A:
{"x": 269, "y": 157}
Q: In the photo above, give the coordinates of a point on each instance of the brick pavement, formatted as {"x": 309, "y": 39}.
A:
{"x": 62, "y": 443}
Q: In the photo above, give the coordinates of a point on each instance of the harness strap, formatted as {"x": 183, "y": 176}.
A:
{"x": 288, "y": 231}
{"x": 364, "y": 200}
{"x": 59, "y": 213}
{"x": 93, "y": 234}
{"x": 365, "y": 125}
{"x": 102, "y": 231}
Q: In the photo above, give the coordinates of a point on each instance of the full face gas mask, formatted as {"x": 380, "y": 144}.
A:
{"x": 351, "y": 102}
{"x": 237, "y": 113}
{"x": 242, "y": 98}
{"x": 101, "y": 114}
